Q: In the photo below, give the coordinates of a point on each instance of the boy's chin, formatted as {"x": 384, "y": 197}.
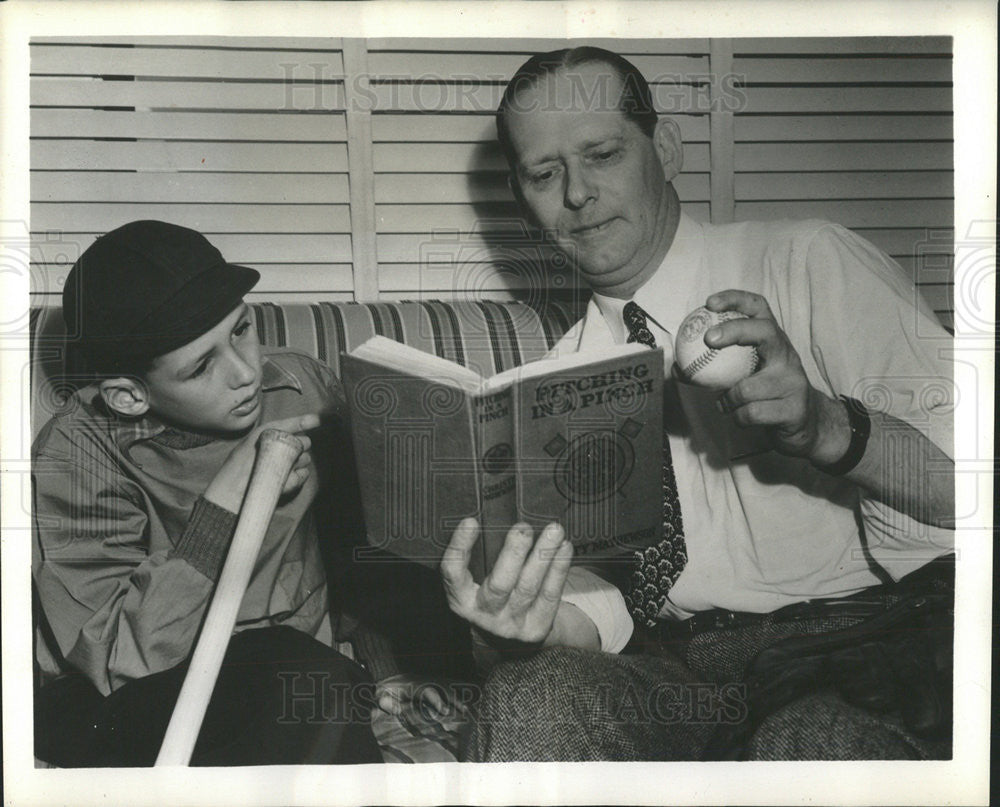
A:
{"x": 232, "y": 428}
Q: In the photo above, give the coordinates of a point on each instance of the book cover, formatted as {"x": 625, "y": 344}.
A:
{"x": 578, "y": 441}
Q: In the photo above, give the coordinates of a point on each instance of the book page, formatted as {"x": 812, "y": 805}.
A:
{"x": 398, "y": 356}
{"x": 565, "y": 362}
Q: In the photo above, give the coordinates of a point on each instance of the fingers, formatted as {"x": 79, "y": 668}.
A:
{"x": 432, "y": 698}
{"x": 537, "y": 568}
{"x": 390, "y": 702}
{"x": 496, "y": 589}
{"x": 454, "y": 566}
{"x": 296, "y": 479}
{"x": 293, "y": 425}
{"x": 765, "y": 385}
{"x": 555, "y": 578}
{"x": 753, "y": 305}
{"x": 755, "y": 332}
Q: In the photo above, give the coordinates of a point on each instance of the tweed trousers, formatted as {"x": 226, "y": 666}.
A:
{"x": 668, "y": 698}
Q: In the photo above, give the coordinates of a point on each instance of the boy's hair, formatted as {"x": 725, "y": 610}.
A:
{"x": 145, "y": 289}
{"x": 635, "y": 102}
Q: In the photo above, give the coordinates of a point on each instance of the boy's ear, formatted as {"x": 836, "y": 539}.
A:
{"x": 669, "y": 147}
{"x": 126, "y": 396}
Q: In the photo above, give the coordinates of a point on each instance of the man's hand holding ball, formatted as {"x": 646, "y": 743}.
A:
{"x": 705, "y": 366}
{"x": 735, "y": 344}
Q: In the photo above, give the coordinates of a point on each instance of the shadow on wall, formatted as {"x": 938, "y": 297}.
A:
{"x": 504, "y": 252}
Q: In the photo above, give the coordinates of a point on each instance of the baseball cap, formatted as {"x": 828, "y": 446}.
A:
{"x": 147, "y": 288}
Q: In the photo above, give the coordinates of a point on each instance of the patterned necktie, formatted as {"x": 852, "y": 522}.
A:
{"x": 657, "y": 567}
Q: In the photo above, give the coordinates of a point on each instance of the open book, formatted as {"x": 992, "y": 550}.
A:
{"x": 576, "y": 440}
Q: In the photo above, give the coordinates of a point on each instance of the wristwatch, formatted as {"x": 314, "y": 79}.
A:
{"x": 861, "y": 429}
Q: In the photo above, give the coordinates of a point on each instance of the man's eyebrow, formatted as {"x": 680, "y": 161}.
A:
{"x": 585, "y": 146}
{"x": 602, "y": 141}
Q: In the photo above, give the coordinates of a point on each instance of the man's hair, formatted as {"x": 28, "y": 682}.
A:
{"x": 635, "y": 102}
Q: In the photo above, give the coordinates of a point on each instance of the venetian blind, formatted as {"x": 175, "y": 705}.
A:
{"x": 368, "y": 169}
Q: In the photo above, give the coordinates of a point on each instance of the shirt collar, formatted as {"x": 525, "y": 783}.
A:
{"x": 127, "y": 432}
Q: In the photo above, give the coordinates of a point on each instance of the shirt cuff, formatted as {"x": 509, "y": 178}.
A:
{"x": 603, "y": 603}
{"x": 206, "y": 538}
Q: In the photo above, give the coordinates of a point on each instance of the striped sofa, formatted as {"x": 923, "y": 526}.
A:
{"x": 486, "y": 336}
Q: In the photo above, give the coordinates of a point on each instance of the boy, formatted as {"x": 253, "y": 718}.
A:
{"x": 137, "y": 487}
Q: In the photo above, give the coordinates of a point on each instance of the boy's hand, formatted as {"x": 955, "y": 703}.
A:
{"x": 230, "y": 484}
{"x": 403, "y": 694}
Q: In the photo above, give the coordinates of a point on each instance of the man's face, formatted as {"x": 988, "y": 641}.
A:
{"x": 588, "y": 173}
{"x": 211, "y": 384}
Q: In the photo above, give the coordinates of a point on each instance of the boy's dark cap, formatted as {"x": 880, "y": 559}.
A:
{"x": 148, "y": 288}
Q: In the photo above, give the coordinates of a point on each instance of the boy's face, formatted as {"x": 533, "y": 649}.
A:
{"x": 211, "y": 384}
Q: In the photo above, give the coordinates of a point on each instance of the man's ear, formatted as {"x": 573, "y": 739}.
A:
{"x": 126, "y": 396}
{"x": 669, "y": 147}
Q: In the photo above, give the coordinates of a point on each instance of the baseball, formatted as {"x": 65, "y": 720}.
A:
{"x": 710, "y": 367}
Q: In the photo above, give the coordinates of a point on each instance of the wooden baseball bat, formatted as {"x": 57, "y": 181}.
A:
{"x": 276, "y": 453}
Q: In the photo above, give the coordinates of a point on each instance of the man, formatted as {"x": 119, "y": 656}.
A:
{"x": 137, "y": 485}
{"x": 848, "y": 498}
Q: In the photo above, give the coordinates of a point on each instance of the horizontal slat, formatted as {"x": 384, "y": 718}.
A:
{"x": 907, "y": 242}
{"x": 437, "y": 97}
{"x": 843, "y": 127}
{"x": 274, "y": 278}
{"x": 626, "y": 47}
{"x": 394, "y": 218}
{"x": 819, "y": 70}
{"x": 461, "y": 278}
{"x": 444, "y": 246}
{"x": 940, "y": 296}
{"x": 928, "y": 270}
{"x": 301, "y": 278}
{"x": 456, "y": 158}
{"x": 843, "y": 156}
{"x": 844, "y": 185}
{"x": 846, "y": 99}
{"x": 878, "y": 213}
{"x": 487, "y": 187}
{"x": 177, "y": 95}
{"x": 442, "y": 128}
{"x": 207, "y": 218}
{"x": 224, "y": 42}
{"x": 390, "y": 127}
{"x": 54, "y": 300}
{"x": 245, "y": 248}
{"x": 501, "y": 66}
{"x": 460, "y": 158}
{"x": 447, "y": 294}
{"x": 117, "y": 186}
{"x": 190, "y": 62}
{"x": 877, "y": 45}
{"x": 323, "y": 296}
{"x": 483, "y": 186}
{"x": 947, "y": 319}
{"x": 286, "y": 127}
{"x": 103, "y": 155}
{"x": 492, "y": 216}
{"x": 459, "y": 247}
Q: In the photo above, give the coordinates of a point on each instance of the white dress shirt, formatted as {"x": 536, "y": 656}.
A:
{"x": 767, "y": 530}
